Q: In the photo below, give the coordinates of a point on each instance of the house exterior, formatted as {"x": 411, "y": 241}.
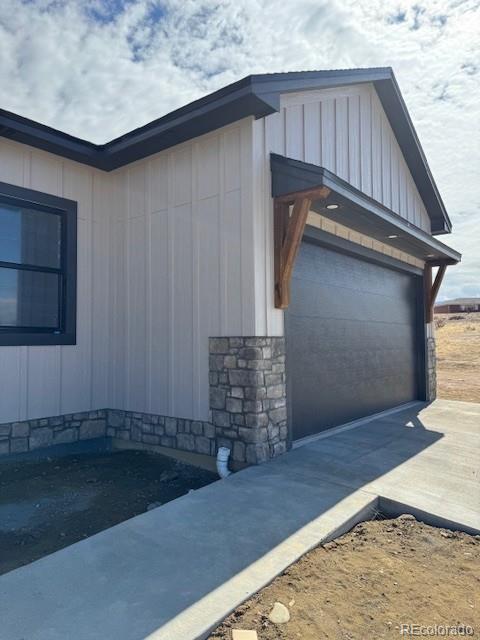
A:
{"x": 459, "y": 305}
{"x": 247, "y": 271}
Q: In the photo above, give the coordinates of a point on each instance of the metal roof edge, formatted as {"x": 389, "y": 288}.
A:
{"x": 256, "y": 96}
{"x": 399, "y": 118}
{"x": 290, "y": 175}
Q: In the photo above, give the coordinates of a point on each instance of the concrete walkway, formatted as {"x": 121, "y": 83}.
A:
{"x": 174, "y": 572}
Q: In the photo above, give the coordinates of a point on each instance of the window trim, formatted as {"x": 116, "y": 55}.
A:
{"x": 67, "y": 209}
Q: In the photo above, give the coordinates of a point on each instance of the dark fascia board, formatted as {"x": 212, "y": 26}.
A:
{"x": 396, "y": 110}
{"x": 40, "y": 136}
{"x": 230, "y": 104}
{"x": 290, "y": 176}
{"x": 255, "y": 95}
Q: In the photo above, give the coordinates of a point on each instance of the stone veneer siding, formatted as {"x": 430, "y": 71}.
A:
{"x": 431, "y": 369}
{"x": 176, "y": 433}
{"x": 19, "y": 437}
{"x": 248, "y": 411}
{"x": 248, "y": 396}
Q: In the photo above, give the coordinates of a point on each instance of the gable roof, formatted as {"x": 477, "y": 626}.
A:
{"x": 255, "y": 95}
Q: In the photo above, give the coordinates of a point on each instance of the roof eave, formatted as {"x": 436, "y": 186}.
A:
{"x": 358, "y": 210}
{"x": 256, "y": 96}
{"x": 404, "y": 130}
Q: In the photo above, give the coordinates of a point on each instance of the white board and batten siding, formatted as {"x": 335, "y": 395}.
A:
{"x": 41, "y": 381}
{"x": 346, "y": 131}
{"x": 183, "y": 269}
{"x": 165, "y": 260}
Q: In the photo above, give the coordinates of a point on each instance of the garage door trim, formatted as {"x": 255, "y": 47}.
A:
{"x": 341, "y": 245}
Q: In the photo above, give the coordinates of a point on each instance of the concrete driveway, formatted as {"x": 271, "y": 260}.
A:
{"x": 176, "y": 571}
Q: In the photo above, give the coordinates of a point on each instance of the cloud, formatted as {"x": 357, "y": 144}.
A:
{"x": 99, "y": 68}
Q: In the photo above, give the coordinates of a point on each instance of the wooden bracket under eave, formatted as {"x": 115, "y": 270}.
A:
{"x": 431, "y": 289}
{"x": 288, "y": 233}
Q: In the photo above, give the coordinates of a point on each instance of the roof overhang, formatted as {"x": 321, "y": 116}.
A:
{"x": 257, "y": 96}
{"x": 291, "y": 178}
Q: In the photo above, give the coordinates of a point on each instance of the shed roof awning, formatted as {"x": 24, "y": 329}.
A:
{"x": 356, "y": 210}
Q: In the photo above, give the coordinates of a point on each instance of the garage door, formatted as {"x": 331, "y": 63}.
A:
{"x": 351, "y": 339}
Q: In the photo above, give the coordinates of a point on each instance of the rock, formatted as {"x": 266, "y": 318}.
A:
{"x": 168, "y": 476}
{"x": 153, "y": 505}
{"x": 279, "y": 614}
{"x": 329, "y": 545}
{"x": 407, "y": 516}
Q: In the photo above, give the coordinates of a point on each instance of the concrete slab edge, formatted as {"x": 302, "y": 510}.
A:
{"x": 328, "y": 433}
{"x": 393, "y": 509}
{"x": 365, "y": 513}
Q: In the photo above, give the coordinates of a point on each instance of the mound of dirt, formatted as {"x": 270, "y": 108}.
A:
{"x": 370, "y": 582}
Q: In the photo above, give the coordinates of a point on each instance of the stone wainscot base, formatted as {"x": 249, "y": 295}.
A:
{"x": 247, "y": 411}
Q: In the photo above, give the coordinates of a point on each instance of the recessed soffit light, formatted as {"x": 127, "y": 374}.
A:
{"x": 392, "y": 236}
{"x": 332, "y": 206}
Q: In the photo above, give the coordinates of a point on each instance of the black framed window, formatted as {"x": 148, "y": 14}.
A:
{"x": 38, "y": 261}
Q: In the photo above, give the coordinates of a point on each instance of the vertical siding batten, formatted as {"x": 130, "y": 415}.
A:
{"x": 341, "y": 137}
{"x": 354, "y": 140}
{"x": 119, "y": 290}
{"x": 328, "y": 134}
{"x": 148, "y": 286}
{"x": 273, "y": 138}
{"x": 75, "y": 360}
{"x": 311, "y": 133}
{"x": 377, "y": 190}
{"x": 386, "y": 165}
{"x": 43, "y": 363}
{"x": 100, "y": 289}
{"x": 171, "y": 276}
{"x": 258, "y": 234}
{"x": 366, "y": 142}
{"x": 196, "y": 190}
{"x": 248, "y": 199}
{"x": 183, "y": 284}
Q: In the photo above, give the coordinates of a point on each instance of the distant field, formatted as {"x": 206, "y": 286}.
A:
{"x": 458, "y": 356}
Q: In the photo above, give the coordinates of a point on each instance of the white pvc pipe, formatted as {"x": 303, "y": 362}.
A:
{"x": 222, "y": 462}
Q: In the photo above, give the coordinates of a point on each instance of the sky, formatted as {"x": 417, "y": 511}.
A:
{"x": 99, "y": 68}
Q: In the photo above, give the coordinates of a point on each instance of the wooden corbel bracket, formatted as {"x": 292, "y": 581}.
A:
{"x": 288, "y": 232}
{"x": 431, "y": 290}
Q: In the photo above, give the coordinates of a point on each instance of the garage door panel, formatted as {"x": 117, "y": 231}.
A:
{"x": 363, "y": 305}
{"x": 351, "y": 339}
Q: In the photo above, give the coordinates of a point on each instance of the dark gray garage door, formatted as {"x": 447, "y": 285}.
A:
{"x": 351, "y": 339}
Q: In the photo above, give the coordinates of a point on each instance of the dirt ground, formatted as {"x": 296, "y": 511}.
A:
{"x": 49, "y": 504}
{"x": 369, "y": 582}
{"x": 458, "y": 356}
